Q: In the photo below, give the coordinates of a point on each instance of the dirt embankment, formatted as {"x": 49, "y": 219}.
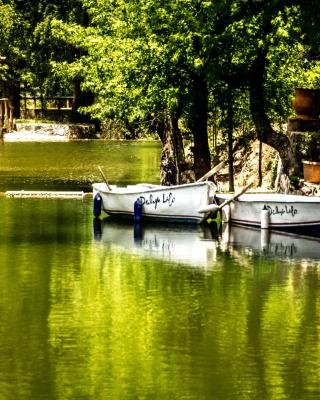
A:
{"x": 247, "y": 169}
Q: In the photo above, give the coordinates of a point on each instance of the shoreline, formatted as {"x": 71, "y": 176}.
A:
{"x": 27, "y": 136}
{"x": 48, "y": 132}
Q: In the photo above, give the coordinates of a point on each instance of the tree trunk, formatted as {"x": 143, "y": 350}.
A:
{"x": 81, "y": 99}
{"x": 265, "y": 132}
{"x": 12, "y": 91}
{"x": 178, "y": 149}
{"x": 168, "y": 169}
{"x": 260, "y": 164}
{"x": 229, "y": 124}
{"x": 198, "y": 123}
{"x": 172, "y": 155}
{"x": 15, "y": 100}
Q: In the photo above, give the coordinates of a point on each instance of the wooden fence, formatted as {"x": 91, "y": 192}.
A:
{"x": 6, "y": 116}
{"x": 57, "y": 107}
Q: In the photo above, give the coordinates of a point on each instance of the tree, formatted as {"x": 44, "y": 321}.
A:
{"x": 11, "y": 55}
{"x": 167, "y": 64}
{"x": 143, "y": 65}
{"x": 27, "y": 57}
{"x": 261, "y": 37}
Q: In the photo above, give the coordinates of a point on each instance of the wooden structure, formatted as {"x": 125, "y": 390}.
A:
{"x": 56, "y": 108}
{"x": 306, "y": 104}
{"x": 6, "y": 116}
{"x": 311, "y": 171}
{"x": 303, "y": 131}
{"x": 45, "y": 194}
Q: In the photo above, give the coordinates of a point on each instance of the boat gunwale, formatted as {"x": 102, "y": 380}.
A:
{"x": 114, "y": 188}
{"x": 280, "y": 198}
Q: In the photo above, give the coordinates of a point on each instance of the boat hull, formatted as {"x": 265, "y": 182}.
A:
{"x": 286, "y": 212}
{"x": 162, "y": 203}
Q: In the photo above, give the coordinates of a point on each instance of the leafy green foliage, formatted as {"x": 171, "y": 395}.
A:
{"x": 141, "y": 58}
{"x": 8, "y": 50}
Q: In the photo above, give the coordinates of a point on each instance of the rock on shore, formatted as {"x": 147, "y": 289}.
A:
{"x": 47, "y": 132}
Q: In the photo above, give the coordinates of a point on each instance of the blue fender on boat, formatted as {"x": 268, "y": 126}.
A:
{"x": 97, "y": 203}
{"x": 137, "y": 213}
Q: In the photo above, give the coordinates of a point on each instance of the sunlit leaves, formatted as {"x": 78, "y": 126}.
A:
{"x": 7, "y": 20}
{"x": 145, "y": 57}
{"x": 139, "y": 57}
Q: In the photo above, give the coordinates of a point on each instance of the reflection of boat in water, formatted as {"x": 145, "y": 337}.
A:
{"x": 270, "y": 243}
{"x": 188, "y": 244}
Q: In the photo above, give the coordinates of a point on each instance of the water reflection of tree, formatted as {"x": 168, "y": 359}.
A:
{"x": 147, "y": 327}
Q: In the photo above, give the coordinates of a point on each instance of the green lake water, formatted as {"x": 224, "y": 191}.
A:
{"x": 106, "y": 310}
{"x": 74, "y": 165}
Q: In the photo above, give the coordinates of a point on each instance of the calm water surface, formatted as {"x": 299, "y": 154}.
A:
{"x": 55, "y": 165}
{"x": 105, "y": 310}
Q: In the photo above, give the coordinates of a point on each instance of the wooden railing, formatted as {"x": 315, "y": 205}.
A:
{"x": 6, "y": 116}
{"x": 47, "y": 103}
{"x": 56, "y": 107}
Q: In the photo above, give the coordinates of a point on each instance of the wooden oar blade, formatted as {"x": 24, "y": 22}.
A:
{"x": 208, "y": 208}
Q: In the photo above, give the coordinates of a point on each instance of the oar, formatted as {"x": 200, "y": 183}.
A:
{"x": 214, "y": 207}
{"x": 104, "y": 177}
{"x": 212, "y": 171}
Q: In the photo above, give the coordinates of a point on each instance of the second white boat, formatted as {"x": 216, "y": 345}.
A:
{"x": 285, "y": 212}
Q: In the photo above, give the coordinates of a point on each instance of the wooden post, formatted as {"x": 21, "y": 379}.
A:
{"x": 25, "y": 107}
{"x": 42, "y": 106}
{"x": 11, "y": 120}
{"x": 1, "y": 118}
{"x": 6, "y": 115}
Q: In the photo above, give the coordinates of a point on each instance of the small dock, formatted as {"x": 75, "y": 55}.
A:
{"x": 46, "y": 194}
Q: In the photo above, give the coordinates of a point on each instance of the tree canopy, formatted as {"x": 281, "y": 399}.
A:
{"x": 175, "y": 67}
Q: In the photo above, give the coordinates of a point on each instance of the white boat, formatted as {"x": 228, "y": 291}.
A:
{"x": 190, "y": 245}
{"x": 179, "y": 203}
{"x": 285, "y": 212}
